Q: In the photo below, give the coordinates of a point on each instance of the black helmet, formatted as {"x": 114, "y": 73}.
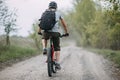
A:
{"x": 53, "y": 5}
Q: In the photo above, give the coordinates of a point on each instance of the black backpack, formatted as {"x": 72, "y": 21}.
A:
{"x": 47, "y": 20}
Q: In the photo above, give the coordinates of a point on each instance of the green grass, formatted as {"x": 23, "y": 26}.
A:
{"x": 110, "y": 54}
{"x": 20, "y": 48}
{"x": 15, "y": 52}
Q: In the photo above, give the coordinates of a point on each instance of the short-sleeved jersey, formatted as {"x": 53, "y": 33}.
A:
{"x": 56, "y": 27}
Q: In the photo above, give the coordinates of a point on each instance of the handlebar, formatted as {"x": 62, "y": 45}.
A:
{"x": 63, "y": 35}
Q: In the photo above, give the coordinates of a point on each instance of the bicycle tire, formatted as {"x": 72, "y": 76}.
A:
{"x": 49, "y": 62}
{"x": 54, "y": 70}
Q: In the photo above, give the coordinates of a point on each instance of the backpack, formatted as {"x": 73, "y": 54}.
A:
{"x": 47, "y": 20}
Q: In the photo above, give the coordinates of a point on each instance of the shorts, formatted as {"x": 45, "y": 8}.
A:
{"x": 55, "y": 37}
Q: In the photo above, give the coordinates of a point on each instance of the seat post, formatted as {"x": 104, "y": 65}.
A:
{"x": 51, "y": 41}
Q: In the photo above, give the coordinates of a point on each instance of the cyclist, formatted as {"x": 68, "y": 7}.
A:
{"x": 54, "y": 33}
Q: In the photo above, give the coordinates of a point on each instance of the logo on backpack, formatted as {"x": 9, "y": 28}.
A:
{"x": 47, "y": 20}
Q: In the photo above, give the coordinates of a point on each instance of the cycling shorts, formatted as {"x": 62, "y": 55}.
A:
{"x": 55, "y": 38}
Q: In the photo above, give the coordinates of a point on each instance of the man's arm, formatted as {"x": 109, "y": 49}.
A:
{"x": 39, "y": 31}
{"x": 64, "y": 25}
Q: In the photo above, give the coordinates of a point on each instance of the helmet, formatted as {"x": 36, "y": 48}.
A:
{"x": 53, "y": 5}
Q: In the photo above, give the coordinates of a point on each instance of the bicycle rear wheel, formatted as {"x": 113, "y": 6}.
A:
{"x": 49, "y": 62}
{"x": 54, "y": 70}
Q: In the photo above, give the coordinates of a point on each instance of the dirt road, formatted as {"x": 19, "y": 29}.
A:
{"x": 77, "y": 64}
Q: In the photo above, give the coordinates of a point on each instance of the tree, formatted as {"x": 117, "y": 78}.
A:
{"x": 98, "y": 31}
{"x": 3, "y": 11}
{"x": 34, "y": 35}
{"x": 81, "y": 16}
{"x": 114, "y": 14}
{"x": 104, "y": 30}
{"x": 9, "y": 22}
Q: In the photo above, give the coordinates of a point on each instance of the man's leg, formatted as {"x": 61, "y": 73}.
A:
{"x": 44, "y": 43}
{"x": 57, "y": 56}
{"x": 56, "y": 43}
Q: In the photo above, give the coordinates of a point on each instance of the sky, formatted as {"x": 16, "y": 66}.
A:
{"x": 30, "y": 10}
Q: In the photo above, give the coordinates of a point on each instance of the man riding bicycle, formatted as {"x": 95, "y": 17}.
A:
{"x": 54, "y": 32}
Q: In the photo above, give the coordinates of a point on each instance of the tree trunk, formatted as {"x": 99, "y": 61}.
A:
{"x": 7, "y": 40}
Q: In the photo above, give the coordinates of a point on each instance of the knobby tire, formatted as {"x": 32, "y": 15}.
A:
{"x": 49, "y": 63}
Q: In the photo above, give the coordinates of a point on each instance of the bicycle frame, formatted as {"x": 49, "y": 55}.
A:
{"x": 52, "y": 49}
{"x": 51, "y": 62}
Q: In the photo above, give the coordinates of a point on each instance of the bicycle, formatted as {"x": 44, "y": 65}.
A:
{"x": 51, "y": 64}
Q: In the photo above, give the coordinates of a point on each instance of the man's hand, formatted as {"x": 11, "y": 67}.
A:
{"x": 66, "y": 34}
{"x": 39, "y": 33}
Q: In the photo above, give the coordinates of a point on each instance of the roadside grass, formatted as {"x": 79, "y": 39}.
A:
{"x": 19, "y": 49}
{"x": 110, "y": 54}
{"x": 15, "y": 52}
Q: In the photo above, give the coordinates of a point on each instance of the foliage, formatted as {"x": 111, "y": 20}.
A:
{"x": 97, "y": 27}
{"x": 7, "y": 20}
{"x": 34, "y": 35}
{"x": 115, "y": 37}
{"x": 15, "y": 52}
{"x": 3, "y": 10}
{"x": 20, "y": 48}
{"x": 80, "y": 18}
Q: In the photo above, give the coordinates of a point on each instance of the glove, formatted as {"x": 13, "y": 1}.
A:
{"x": 66, "y": 34}
{"x": 39, "y": 33}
